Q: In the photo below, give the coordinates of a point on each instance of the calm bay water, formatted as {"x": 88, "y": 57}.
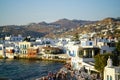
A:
{"x": 27, "y": 69}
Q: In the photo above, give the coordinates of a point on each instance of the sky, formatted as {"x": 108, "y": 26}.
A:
{"x": 22, "y": 12}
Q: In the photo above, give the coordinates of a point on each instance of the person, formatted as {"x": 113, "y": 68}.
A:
{"x": 46, "y": 78}
{"x": 54, "y": 76}
{"x": 59, "y": 76}
{"x": 50, "y": 76}
{"x": 73, "y": 76}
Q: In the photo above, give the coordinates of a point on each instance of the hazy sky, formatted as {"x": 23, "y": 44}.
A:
{"x": 27, "y": 11}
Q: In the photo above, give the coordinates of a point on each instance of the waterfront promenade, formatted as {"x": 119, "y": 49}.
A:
{"x": 67, "y": 73}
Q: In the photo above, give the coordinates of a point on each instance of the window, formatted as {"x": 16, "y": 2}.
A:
{"x": 25, "y": 46}
{"x": 72, "y": 53}
{"x": 80, "y": 53}
{"x": 104, "y": 51}
{"x": 119, "y": 76}
{"x": 90, "y": 44}
{"x": 110, "y": 77}
{"x": 0, "y": 48}
{"x": 90, "y": 53}
{"x": 25, "y": 52}
{"x": 107, "y": 77}
{"x": 69, "y": 52}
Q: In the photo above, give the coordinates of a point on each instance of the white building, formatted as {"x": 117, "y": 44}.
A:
{"x": 2, "y": 51}
{"x": 23, "y": 46}
{"x": 18, "y": 38}
{"x": 111, "y": 72}
{"x": 82, "y": 54}
{"x": 106, "y": 45}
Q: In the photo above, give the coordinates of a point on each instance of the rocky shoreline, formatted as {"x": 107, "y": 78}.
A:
{"x": 67, "y": 73}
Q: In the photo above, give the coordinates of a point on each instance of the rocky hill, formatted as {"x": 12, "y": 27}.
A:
{"x": 103, "y": 28}
{"x": 41, "y": 29}
{"x": 64, "y": 27}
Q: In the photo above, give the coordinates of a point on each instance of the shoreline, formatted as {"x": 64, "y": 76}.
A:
{"x": 55, "y": 76}
{"x": 67, "y": 73}
{"x": 41, "y": 59}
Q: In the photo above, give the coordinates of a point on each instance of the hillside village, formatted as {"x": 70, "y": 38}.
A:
{"x": 77, "y": 45}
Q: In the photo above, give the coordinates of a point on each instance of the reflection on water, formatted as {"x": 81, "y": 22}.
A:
{"x": 26, "y": 69}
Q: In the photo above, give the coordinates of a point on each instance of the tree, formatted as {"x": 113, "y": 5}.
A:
{"x": 117, "y": 50}
{"x": 101, "y": 61}
{"x": 118, "y": 47}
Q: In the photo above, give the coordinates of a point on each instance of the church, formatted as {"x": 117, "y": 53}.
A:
{"x": 111, "y": 72}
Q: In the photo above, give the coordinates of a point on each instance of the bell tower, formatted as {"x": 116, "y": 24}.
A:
{"x": 109, "y": 62}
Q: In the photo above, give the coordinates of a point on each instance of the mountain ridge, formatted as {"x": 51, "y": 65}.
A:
{"x": 60, "y": 26}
